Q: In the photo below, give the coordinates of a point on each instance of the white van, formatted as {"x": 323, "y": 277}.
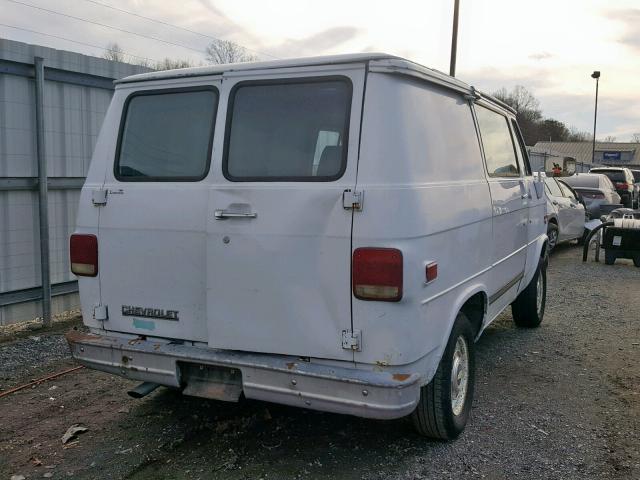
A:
{"x": 332, "y": 233}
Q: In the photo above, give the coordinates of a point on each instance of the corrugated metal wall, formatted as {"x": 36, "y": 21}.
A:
{"x": 76, "y": 96}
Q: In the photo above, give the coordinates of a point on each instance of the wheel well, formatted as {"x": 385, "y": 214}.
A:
{"x": 553, "y": 220}
{"x": 475, "y": 308}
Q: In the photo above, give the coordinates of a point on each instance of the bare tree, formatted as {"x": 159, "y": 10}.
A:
{"x": 520, "y": 99}
{"x": 223, "y": 51}
{"x": 576, "y": 135}
{"x": 114, "y": 53}
{"x": 173, "y": 63}
{"x": 635, "y": 138}
{"x": 609, "y": 138}
{"x": 528, "y": 112}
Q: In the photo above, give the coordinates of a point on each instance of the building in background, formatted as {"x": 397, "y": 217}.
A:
{"x": 77, "y": 92}
{"x": 618, "y": 154}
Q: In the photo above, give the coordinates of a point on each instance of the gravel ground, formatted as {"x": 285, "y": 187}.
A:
{"x": 26, "y": 357}
{"x": 558, "y": 402}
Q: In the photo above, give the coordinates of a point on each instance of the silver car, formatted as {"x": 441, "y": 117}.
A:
{"x": 597, "y": 191}
{"x": 565, "y": 214}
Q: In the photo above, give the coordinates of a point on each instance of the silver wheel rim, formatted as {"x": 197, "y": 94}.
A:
{"x": 553, "y": 237}
{"x": 539, "y": 293}
{"x": 459, "y": 376}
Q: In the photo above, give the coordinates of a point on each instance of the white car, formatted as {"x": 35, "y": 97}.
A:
{"x": 332, "y": 233}
{"x": 565, "y": 214}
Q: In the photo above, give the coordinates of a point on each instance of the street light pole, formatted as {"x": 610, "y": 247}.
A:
{"x": 595, "y": 75}
{"x": 454, "y": 39}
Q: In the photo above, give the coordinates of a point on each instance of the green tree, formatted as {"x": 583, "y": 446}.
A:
{"x": 553, "y": 130}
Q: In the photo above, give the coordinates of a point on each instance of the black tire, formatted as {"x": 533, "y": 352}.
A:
{"x": 609, "y": 257}
{"x": 525, "y": 309}
{"x": 636, "y": 260}
{"x": 434, "y": 416}
{"x": 552, "y": 234}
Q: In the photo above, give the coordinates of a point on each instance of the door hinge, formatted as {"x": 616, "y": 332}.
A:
{"x": 101, "y": 312}
{"x": 352, "y": 340}
{"x": 99, "y": 197}
{"x": 473, "y": 95}
{"x": 352, "y": 199}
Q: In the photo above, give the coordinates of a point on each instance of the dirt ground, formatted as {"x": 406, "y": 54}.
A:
{"x": 559, "y": 402}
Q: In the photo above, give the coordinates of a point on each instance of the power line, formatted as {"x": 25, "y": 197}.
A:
{"x": 172, "y": 25}
{"x": 105, "y": 25}
{"x": 72, "y": 41}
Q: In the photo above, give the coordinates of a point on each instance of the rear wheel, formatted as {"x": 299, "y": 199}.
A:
{"x": 552, "y": 234}
{"x": 445, "y": 403}
{"x": 528, "y": 307}
{"x": 636, "y": 260}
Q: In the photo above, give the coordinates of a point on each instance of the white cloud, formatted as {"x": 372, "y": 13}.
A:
{"x": 549, "y": 46}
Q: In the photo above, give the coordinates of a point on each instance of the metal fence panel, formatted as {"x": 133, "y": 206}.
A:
{"x": 77, "y": 91}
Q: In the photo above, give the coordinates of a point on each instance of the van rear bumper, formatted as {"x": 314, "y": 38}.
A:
{"x": 272, "y": 378}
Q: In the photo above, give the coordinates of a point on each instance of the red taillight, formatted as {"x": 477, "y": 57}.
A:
{"x": 377, "y": 274}
{"x": 622, "y": 186}
{"x": 83, "y": 251}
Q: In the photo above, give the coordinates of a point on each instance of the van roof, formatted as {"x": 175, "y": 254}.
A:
{"x": 383, "y": 62}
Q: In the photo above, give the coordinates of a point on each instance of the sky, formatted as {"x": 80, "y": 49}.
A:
{"x": 551, "y": 47}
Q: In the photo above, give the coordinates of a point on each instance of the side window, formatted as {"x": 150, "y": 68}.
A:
{"x": 287, "y": 130}
{"x": 523, "y": 157}
{"x": 498, "y": 145}
{"x": 166, "y": 135}
{"x": 553, "y": 187}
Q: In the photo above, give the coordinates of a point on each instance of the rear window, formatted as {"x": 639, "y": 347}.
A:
{"x": 614, "y": 175}
{"x": 636, "y": 175}
{"x": 166, "y": 135}
{"x": 288, "y": 130}
{"x": 498, "y": 145}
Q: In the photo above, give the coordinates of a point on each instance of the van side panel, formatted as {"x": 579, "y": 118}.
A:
{"x": 426, "y": 194}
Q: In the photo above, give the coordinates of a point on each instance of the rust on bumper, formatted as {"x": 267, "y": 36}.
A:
{"x": 275, "y": 378}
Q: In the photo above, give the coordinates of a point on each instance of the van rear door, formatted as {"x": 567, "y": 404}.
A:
{"x": 278, "y": 236}
{"x": 152, "y": 230}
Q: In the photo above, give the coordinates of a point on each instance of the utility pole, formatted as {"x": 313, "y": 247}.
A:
{"x": 595, "y": 75}
{"x": 454, "y": 38}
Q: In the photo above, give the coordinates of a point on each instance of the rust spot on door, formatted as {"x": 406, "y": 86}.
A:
{"x": 401, "y": 377}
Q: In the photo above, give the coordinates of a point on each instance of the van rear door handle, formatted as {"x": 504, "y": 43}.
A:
{"x": 224, "y": 214}
{"x": 235, "y": 210}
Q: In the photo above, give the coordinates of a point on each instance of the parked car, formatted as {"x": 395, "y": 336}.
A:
{"x": 597, "y": 191}
{"x": 636, "y": 180}
{"x": 225, "y": 245}
{"x": 565, "y": 214}
{"x": 624, "y": 182}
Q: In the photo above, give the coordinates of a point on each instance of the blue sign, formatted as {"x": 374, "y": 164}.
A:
{"x": 612, "y": 156}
